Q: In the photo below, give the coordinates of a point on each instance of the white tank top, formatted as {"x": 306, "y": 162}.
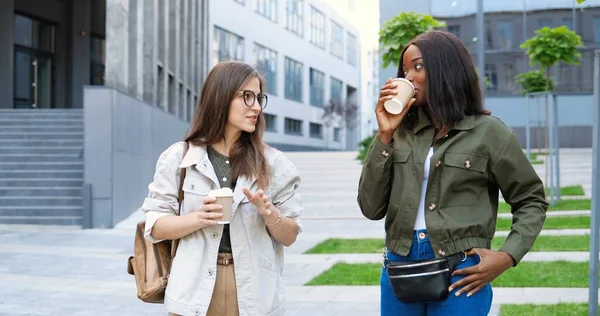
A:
{"x": 420, "y": 223}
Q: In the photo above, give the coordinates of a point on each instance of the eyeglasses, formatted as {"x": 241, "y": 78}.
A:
{"x": 250, "y": 98}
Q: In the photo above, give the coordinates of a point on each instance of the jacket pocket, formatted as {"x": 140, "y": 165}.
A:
{"x": 400, "y": 156}
{"x": 466, "y": 161}
{"x": 464, "y": 178}
{"x": 272, "y": 289}
{"x": 194, "y": 191}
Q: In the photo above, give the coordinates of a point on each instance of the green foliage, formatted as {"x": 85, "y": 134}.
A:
{"x": 580, "y": 1}
{"x": 399, "y": 30}
{"x": 549, "y": 46}
{"x": 363, "y": 147}
{"x": 534, "y": 81}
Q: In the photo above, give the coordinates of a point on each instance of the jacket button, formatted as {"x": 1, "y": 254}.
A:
{"x": 385, "y": 153}
{"x": 468, "y": 164}
{"x": 215, "y": 235}
{"x": 192, "y": 186}
{"x": 211, "y": 272}
{"x": 432, "y": 206}
{"x": 438, "y": 163}
{"x": 197, "y": 312}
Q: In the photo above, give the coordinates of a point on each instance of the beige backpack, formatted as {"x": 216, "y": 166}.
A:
{"x": 151, "y": 262}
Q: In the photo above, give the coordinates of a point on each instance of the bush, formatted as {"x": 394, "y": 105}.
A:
{"x": 534, "y": 81}
{"x": 363, "y": 147}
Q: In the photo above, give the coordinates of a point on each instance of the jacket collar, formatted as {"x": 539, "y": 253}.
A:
{"x": 198, "y": 156}
{"x": 465, "y": 124}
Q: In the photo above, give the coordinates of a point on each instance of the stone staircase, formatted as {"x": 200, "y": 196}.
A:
{"x": 41, "y": 166}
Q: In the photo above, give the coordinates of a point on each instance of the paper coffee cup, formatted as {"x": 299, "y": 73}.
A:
{"x": 406, "y": 91}
{"x": 225, "y": 198}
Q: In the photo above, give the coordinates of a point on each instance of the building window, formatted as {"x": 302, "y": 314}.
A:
{"x": 568, "y": 22}
{"x": 351, "y": 49}
{"x": 315, "y": 130}
{"x": 294, "y": 16}
{"x": 597, "y": 30}
{"x": 266, "y": 8}
{"x": 490, "y": 73}
{"x": 270, "y": 122}
{"x": 509, "y": 77}
{"x": 317, "y": 27}
{"x": 293, "y": 127}
{"x": 97, "y": 60}
{"x": 227, "y": 46}
{"x": 337, "y": 40}
{"x": 160, "y": 87}
{"x": 336, "y": 90}
{"x": 506, "y": 34}
{"x": 544, "y": 22}
{"x": 293, "y": 80}
{"x": 33, "y": 73}
{"x": 489, "y": 40}
{"x": 454, "y": 29}
{"x": 266, "y": 62}
{"x": 337, "y": 134}
{"x": 564, "y": 75}
{"x": 317, "y": 88}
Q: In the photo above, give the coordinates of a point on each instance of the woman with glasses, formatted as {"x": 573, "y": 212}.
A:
{"x": 236, "y": 268}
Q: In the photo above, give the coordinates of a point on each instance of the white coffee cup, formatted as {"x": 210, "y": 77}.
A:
{"x": 406, "y": 91}
{"x": 224, "y": 198}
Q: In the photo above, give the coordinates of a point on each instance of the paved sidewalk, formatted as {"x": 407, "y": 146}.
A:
{"x": 67, "y": 271}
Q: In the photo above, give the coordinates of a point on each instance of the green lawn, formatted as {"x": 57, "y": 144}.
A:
{"x": 536, "y": 162}
{"x": 526, "y": 274}
{"x": 542, "y": 243}
{"x": 553, "y": 243}
{"x": 551, "y": 223}
{"x": 572, "y": 190}
{"x": 562, "y": 309}
{"x": 562, "y": 205}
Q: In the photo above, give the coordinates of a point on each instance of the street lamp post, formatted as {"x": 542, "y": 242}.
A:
{"x": 480, "y": 43}
{"x": 595, "y": 222}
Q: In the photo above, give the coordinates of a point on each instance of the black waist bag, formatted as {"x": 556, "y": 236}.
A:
{"x": 422, "y": 281}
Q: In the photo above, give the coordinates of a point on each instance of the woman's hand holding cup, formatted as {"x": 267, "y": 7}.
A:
{"x": 208, "y": 214}
{"x": 387, "y": 122}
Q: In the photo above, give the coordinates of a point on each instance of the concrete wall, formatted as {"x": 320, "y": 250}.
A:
{"x": 123, "y": 139}
{"x": 575, "y": 118}
{"x": 155, "y": 51}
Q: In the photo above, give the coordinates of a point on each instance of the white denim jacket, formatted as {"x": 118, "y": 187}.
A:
{"x": 258, "y": 257}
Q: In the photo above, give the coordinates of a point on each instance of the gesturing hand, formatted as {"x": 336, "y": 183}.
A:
{"x": 492, "y": 264}
{"x": 260, "y": 200}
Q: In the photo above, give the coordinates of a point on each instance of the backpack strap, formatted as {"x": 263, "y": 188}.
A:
{"x": 182, "y": 172}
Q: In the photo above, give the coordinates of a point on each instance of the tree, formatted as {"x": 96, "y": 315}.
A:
{"x": 399, "y": 30}
{"x": 549, "y": 47}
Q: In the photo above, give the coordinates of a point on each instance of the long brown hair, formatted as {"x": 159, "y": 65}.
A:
{"x": 247, "y": 155}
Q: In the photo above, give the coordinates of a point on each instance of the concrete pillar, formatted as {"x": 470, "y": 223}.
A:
{"x": 81, "y": 48}
{"x": 117, "y": 44}
{"x": 7, "y": 9}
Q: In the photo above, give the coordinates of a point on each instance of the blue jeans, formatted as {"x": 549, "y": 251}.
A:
{"x": 478, "y": 304}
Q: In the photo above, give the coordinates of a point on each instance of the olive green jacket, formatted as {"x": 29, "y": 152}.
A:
{"x": 479, "y": 157}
